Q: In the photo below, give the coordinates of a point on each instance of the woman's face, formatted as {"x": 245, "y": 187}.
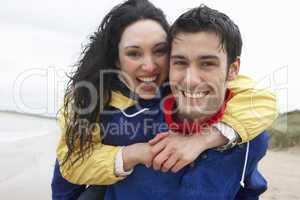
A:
{"x": 143, "y": 57}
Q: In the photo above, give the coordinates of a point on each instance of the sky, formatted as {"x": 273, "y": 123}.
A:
{"x": 40, "y": 40}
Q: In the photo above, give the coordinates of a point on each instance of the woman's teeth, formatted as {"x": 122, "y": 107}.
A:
{"x": 195, "y": 95}
{"x": 147, "y": 79}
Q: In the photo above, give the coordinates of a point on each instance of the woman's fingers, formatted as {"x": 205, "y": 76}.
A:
{"x": 167, "y": 165}
{"x": 179, "y": 165}
{"x": 162, "y": 157}
{"x": 158, "y": 138}
{"x": 157, "y": 148}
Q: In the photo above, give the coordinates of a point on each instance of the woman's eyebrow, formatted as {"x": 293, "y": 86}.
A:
{"x": 132, "y": 46}
{"x": 160, "y": 44}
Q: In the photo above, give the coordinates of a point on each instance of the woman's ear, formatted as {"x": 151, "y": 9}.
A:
{"x": 234, "y": 69}
{"x": 118, "y": 64}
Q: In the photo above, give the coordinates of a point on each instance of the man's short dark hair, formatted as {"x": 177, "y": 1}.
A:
{"x": 205, "y": 19}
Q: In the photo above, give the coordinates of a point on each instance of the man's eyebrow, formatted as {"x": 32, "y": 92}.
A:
{"x": 204, "y": 57}
{"x": 177, "y": 57}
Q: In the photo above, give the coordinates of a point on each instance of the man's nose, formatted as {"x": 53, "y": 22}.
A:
{"x": 193, "y": 77}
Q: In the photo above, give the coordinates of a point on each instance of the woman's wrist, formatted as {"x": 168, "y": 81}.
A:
{"x": 130, "y": 158}
{"x": 119, "y": 164}
{"x": 211, "y": 138}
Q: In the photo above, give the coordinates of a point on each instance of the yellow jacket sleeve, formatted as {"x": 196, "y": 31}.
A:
{"x": 251, "y": 110}
{"x": 96, "y": 169}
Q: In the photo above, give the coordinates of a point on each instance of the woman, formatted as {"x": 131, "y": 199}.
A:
{"x": 143, "y": 61}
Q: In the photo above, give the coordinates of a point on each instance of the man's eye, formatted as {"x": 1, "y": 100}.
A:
{"x": 179, "y": 63}
{"x": 208, "y": 64}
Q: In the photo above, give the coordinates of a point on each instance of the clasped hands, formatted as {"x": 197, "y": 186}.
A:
{"x": 170, "y": 151}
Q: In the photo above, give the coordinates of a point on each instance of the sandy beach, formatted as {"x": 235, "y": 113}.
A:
{"x": 281, "y": 169}
{"x": 27, "y": 161}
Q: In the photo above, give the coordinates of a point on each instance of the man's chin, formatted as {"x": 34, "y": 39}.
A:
{"x": 193, "y": 114}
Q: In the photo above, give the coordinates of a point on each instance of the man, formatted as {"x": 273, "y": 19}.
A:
{"x": 205, "y": 56}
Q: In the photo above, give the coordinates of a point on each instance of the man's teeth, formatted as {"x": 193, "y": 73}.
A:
{"x": 195, "y": 95}
{"x": 147, "y": 79}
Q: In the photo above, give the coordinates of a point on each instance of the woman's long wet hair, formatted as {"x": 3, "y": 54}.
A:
{"x": 99, "y": 55}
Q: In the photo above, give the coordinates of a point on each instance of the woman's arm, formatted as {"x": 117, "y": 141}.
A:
{"x": 251, "y": 110}
{"x": 98, "y": 168}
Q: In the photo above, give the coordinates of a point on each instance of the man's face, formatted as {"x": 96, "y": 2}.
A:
{"x": 198, "y": 71}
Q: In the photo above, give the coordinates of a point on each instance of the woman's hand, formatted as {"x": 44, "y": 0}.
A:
{"x": 174, "y": 151}
{"x": 139, "y": 153}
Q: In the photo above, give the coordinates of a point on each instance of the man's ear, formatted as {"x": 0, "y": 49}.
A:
{"x": 234, "y": 69}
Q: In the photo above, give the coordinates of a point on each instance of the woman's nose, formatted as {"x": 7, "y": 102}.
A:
{"x": 149, "y": 64}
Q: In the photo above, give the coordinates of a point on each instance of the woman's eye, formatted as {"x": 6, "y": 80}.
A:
{"x": 134, "y": 54}
{"x": 161, "y": 51}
